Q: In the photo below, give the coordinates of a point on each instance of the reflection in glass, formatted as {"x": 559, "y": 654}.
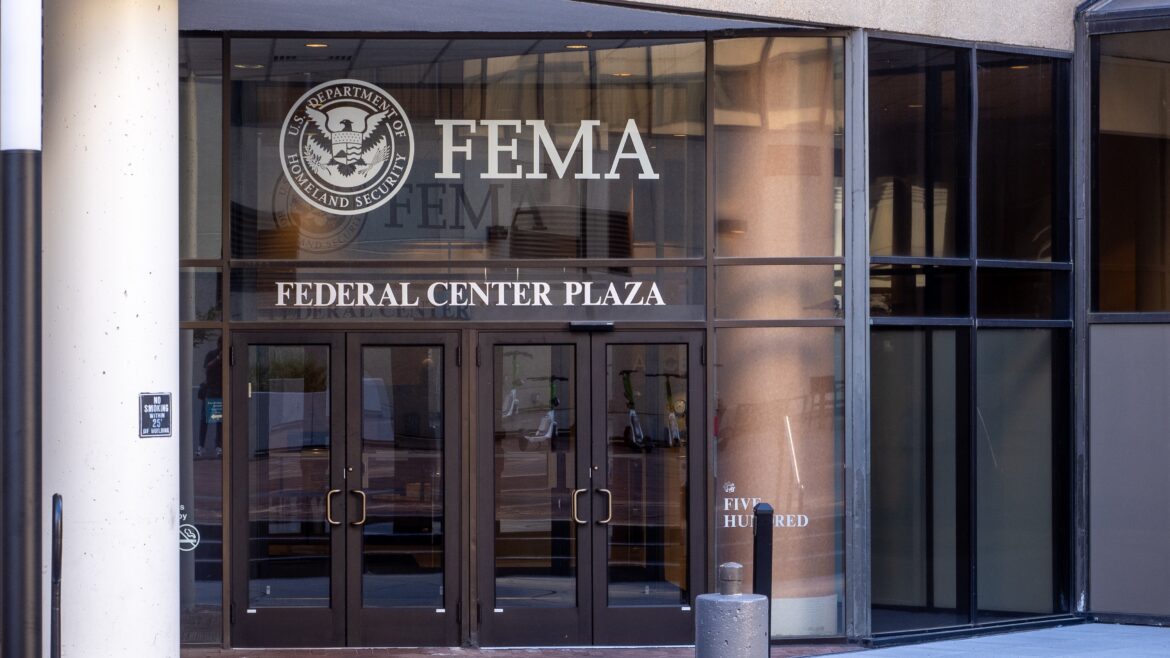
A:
{"x": 780, "y": 418}
{"x": 201, "y": 485}
{"x": 549, "y": 198}
{"x": 918, "y": 152}
{"x": 916, "y": 290}
{"x": 1023, "y": 170}
{"x": 402, "y": 476}
{"x": 777, "y": 292}
{"x": 200, "y": 147}
{"x": 779, "y": 117}
{"x": 289, "y": 439}
{"x": 1131, "y": 219}
{"x": 646, "y": 425}
{"x": 1016, "y": 293}
{"x": 535, "y": 443}
{"x": 1021, "y": 474}
{"x": 918, "y": 429}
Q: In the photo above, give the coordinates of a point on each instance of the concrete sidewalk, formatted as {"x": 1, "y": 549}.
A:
{"x": 1111, "y": 640}
{"x": 1081, "y": 640}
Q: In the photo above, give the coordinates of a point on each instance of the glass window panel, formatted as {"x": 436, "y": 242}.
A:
{"x": 402, "y": 475}
{"x": 773, "y": 292}
{"x": 1023, "y": 167}
{"x": 201, "y": 294}
{"x": 646, "y": 461}
{"x": 779, "y": 113}
{"x": 1022, "y": 464}
{"x": 476, "y": 211}
{"x": 918, "y": 428}
{"x": 201, "y": 486}
{"x": 1014, "y": 293}
{"x": 289, "y": 440}
{"x": 535, "y": 444}
{"x": 918, "y": 149}
{"x": 779, "y": 397}
{"x": 916, "y": 290}
{"x": 200, "y": 147}
{"x": 1131, "y": 218}
{"x": 510, "y": 294}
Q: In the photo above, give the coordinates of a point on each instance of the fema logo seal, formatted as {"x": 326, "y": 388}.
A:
{"x": 346, "y": 147}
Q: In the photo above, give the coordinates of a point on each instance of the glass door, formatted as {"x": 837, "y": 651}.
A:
{"x": 585, "y": 467}
{"x": 534, "y": 496}
{"x": 647, "y": 450}
{"x": 346, "y": 508}
{"x": 402, "y": 589}
{"x": 288, "y": 433}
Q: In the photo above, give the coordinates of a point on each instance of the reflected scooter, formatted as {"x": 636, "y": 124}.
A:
{"x": 633, "y": 433}
{"x": 677, "y": 408}
{"x": 511, "y": 402}
{"x": 547, "y": 430}
{"x": 672, "y": 436}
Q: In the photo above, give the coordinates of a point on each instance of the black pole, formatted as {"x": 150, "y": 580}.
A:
{"x": 55, "y": 610}
{"x": 762, "y": 555}
{"x": 20, "y": 180}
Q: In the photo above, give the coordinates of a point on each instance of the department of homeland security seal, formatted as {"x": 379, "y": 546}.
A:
{"x": 346, "y": 147}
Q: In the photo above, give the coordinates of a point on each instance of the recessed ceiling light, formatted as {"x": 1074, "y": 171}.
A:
{"x": 248, "y": 66}
{"x": 914, "y": 105}
{"x": 576, "y": 46}
{"x": 1018, "y": 67}
{"x": 622, "y": 74}
{"x": 316, "y": 45}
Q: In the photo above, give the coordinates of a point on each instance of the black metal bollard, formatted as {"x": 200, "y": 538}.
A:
{"x": 762, "y": 554}
{"x": 55, "y": 610}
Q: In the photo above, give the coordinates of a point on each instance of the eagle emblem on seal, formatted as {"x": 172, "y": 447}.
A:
{"x": 353, "y": 146}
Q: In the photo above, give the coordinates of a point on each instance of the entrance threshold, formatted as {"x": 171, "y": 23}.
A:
{"x": 783, "y": 651}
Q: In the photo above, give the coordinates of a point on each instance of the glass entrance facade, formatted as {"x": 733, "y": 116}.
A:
{"x": 550, "y": 315}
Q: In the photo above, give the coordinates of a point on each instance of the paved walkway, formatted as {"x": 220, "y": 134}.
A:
{"x": 1112, "y": 640}
{"x": 1082, "y": 641}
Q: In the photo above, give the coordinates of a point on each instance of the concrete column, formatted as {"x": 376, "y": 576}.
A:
{"x": 111, "y": 318}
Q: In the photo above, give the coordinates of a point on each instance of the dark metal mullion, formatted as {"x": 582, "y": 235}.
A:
{"x": 227, "y": 438}
{"x": 710, "y": 256}
{"x": 928, "y": 459}
{"x": 916, "y": 321}
{"x": 427, "y": 264}
{"x": 925, "y": 261}
{"x": 972, "y": 465}
{"x": 992, "y": 323}
{"x": 783, "y": 260}
{"x": 1063, "y": 266}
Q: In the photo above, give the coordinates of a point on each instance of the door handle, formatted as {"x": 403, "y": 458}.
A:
{"x": 576, "y": 493}
{"x": 608, "y": 507}
{"x": 329, "y": 506}
{"x": 361, "y": 494}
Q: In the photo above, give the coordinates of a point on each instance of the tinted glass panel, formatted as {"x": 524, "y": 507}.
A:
{"x": 918, "y": 153}
{"x": 919, "y": 420}
{"x": 1012, "y": 293}
{"x": 547, "y": 151}
{"x": 402, "y": 476}
{"x": 647, "y": 432}
{"x": 765, "y": 292}
{"x": 914, "y": 290}
{"x": 779, "y": 116}
{"x": 535, "y": 447}
{"x": 1023, "y": 168}
{"x": 1021, "y": 473}
{"x": 289, "y": 438}
{"x": 780, "y": 410}
{"x": 200, "y": 294}
{"x": 201, "y": 486}
{"x": 200, "y": 147}
{"x": 1131, "y": 221}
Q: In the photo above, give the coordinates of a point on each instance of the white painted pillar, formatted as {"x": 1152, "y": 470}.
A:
{"x": 111, "y": 319}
